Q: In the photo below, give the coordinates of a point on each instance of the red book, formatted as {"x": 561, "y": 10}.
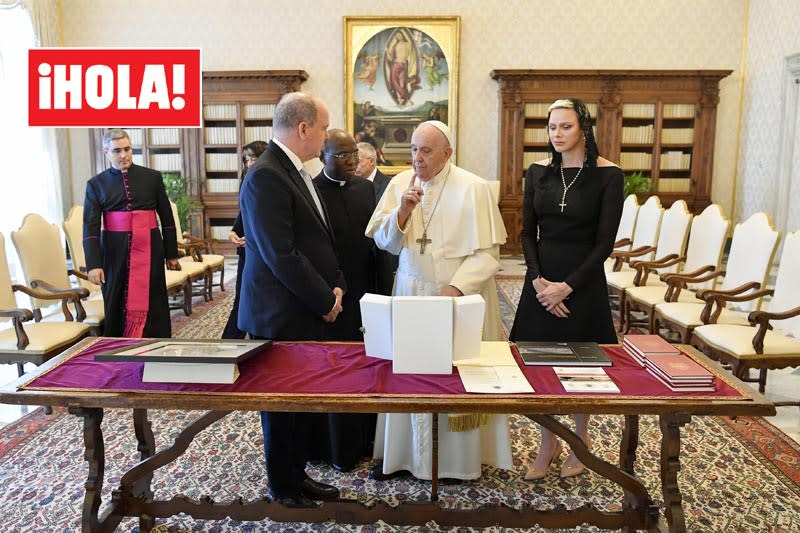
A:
{"x": 650, "y": 344}
{"x": 684, "y": 388}
{"x": 678, "y": 368}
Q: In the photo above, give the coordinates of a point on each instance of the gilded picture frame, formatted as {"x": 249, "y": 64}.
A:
{"x": 399, "y": 72}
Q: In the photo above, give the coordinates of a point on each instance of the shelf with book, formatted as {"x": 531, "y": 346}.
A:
{"x": 238, "y": 107}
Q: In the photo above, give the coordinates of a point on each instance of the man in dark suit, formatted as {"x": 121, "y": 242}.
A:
{"x": 291, "y": 285}
{"x": 385, "y": 263}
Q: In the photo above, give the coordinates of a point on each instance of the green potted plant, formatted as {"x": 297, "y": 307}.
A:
{"x": 176, "y": 191}
{"x": 637, "y": 183}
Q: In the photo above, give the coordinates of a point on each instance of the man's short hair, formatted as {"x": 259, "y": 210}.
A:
{"x": 114, "y": 134}
{"x": 293, "y": 109}
{"x": 368, "y": 150}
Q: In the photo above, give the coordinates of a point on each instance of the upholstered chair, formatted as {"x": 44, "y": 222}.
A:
{"x": 749, "y": 261}
{"x": 44, "y": 264}
{"x": 772, "y": 338}
{"x": 199, "y": 251}
{"x": 671, "y": 244}
{"x": 34, "y": 342}
{"x": 707, "y": 236}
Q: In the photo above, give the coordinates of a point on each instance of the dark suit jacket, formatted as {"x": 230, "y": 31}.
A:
{"x": 291, "y": 266}
{"x": 385, "y": 263}
{"x": 380, "y": 181}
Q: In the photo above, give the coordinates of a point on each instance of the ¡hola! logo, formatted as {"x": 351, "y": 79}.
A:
{"x": 98, "y": 87}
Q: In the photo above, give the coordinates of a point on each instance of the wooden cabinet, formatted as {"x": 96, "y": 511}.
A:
{"x": 237, "y": 110}
{"x": 657, "y": 122}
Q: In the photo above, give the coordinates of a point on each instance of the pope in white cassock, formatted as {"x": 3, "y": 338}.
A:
{"x": 445, "y": 225}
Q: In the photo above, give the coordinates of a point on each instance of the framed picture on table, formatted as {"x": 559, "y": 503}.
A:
{"x": 399, "y": 72}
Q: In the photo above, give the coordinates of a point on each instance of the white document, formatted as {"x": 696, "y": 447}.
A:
{"x": 493, "y": 353}
{"x": 494, "y": 380}
{"x": 155, "y": 372}
{"x": 467, "y": 326}
{"x": 585, "y": 379}
{"x": 422, "y": 335}
{"x": 376, "y": 321}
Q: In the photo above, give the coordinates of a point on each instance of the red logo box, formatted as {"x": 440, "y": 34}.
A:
{"x": 99, "y": 87}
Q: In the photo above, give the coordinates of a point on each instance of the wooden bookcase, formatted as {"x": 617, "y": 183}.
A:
{"x": 237, "y": 110}
{"x": 658, "y": 122}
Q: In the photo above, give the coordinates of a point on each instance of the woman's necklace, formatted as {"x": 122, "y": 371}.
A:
{"x": 563, "y": 203}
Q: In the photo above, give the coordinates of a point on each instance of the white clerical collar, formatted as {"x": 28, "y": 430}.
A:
{"x": 371, "y": 177}
{"x": 298, "y": 164}
{"x": 438, "y": 178}
{"x": 340, "y": 183}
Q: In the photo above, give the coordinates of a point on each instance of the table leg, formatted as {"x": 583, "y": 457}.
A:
{"x": 95, "y": 456}
{"x": 627, "y": 453}
{"x": 435, "y": 457}
{"x": 147, "y": 447}
{"x": 670, "y": 466}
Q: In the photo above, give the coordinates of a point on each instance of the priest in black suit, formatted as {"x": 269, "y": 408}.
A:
{"x": 292, "y": 286}
{"x": 343, "y": 439}
{"x": 350, "y": 201}
{"x": 385, "y": 262}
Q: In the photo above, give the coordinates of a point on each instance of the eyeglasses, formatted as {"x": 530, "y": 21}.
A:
{"x": 346, "y": 155}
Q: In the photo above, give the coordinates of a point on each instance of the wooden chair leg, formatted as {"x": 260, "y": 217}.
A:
{"x": 20, "y": 369}
{"x": 187, "y": 297}
{"x": 222, "y": 278}
{"x": 762, "y": 380}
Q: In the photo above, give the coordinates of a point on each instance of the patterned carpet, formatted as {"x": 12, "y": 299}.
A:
{"x": 741, "y": 475}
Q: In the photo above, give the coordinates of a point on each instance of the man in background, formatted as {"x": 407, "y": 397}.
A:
{"x": 385, "y": 262}
{"x": 128, "y": 260}
{"x": 292, "y": 286}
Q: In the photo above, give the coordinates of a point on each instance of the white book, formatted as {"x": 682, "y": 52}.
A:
{"x": 422, "y": 335}
{"x": 376, "y": 323}
{"x": 157, "y": 372}
{"x": 467, "y": 326}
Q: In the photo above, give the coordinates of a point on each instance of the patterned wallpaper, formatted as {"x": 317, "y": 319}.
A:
{"x": 308, "y": 34}
{"x": 773, "y": 35}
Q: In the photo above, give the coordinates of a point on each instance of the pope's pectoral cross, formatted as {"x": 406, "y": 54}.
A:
{"x": 423, "y": 242}
{"x": 562, "y": 205}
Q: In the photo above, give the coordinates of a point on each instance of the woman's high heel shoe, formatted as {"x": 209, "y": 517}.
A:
{"x": 572, "y": 466}
{"x": 534, "y": 473}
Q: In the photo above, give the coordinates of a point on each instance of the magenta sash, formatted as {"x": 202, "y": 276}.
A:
{"x": 137, "y": 298}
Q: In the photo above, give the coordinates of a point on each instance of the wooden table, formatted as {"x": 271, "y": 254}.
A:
{"x": 134, "y": 496}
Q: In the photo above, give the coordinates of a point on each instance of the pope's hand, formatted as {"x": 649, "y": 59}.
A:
{"x": 411, "y": 197}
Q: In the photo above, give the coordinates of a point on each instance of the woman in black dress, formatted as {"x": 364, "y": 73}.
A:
{"x": 574, "y": 201}
{"x": 250, "y": 154}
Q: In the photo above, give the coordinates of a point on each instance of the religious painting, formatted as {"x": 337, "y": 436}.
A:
{"x": 399, "y": 72}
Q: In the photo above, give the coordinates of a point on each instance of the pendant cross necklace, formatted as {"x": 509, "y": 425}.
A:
{"x": 424, "y": 241}
{"x": 563, "y": 203}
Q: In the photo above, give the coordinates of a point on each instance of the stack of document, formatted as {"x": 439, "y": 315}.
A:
{"x": 493, "y": 371}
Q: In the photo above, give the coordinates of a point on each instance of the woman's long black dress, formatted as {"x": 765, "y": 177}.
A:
{"x": 571, "y": 247}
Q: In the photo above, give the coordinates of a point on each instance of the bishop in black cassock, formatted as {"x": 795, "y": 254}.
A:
{"x": 343, "y": 439}
{"x": 126, "y": 189}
